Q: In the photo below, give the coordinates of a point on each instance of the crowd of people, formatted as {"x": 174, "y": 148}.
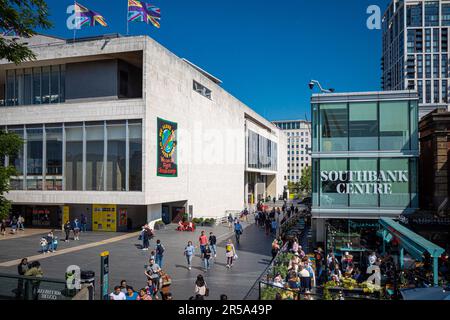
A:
{"x": 15, "y": 223}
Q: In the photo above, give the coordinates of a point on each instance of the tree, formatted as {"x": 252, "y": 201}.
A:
{"x": 306, "y": 180}
{"x": 23, "y": 17}
{"x": 10, "y": 144}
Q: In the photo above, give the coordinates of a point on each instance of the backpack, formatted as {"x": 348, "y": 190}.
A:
{"x": 159, "y": 249}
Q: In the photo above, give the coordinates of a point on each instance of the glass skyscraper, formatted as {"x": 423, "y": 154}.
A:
{"x": 416, "y": 50}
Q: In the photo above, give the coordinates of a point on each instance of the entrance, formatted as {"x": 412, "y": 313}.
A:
{"x": 39, "y": 216}
{"x": 177, "y": 214}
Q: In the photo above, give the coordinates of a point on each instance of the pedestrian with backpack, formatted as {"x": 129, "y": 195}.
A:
{"x": 159, "y": 250}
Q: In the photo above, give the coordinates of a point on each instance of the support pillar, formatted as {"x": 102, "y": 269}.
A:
{"x": 401, "y": 258}
{"x": 435, "y": 271}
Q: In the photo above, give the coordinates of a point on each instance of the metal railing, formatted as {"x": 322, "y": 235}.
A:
{"x": 15, "y": 287}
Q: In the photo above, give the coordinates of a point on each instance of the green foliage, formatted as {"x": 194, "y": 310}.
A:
{"x": 24, "y": 17}
{"x": 159, "y": 222}
{"x": 305, "y": 183}
{"x": 197, "y": 220}
{"x": 10, "y": 145}
{"x": 269, "y": 293}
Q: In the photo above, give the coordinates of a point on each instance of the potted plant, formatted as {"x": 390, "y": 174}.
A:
{"x": 209, "y": 222}
{"x": 160, "y": 225}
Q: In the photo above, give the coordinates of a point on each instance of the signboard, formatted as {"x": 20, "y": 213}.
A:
{"x": 123, "y": 214}
{"x": 66, "y": 215}
{"x": 167, "y": 149}
{"x": 104, "y": 217}
{"x": 364, "y": 182}
{"x": 104, "y": 275}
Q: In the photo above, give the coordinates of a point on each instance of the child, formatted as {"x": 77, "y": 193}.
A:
{"x": 43, "y": 243}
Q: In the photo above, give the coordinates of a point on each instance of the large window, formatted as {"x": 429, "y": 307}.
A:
{"x": 95, "y": 166}
{"x": 445, "y": 14}
{"x": 400, "y": 196}
{"x": 34, "y": 143}
{"x": 363, "y": 126}
{"x": 329, "y": 196}
{"x": 414, "y": 15}
{"x": 40, "y": 85}
{"x": 135, "y": 157}
{"x": 71, "y": 156}
{"x": 394, "y": 126}
{"x": 431, "y": 13}
{"x": 74, "y": 157}
{"x": 262, "y": 153}
{"x": 54, "y": 152}
{"x": 17, "y": 161}
{"x": 365, "y": 183}
{"x": 116, "y": 161}
{"x": 333, "y": 127}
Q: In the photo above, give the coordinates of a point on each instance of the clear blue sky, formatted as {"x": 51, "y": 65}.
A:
{"x": 265, "y": 52}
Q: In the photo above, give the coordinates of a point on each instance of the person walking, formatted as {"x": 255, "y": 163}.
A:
{"x": 200, "y": 287}
{"x": 3, "y": 227}
{"x": 159, "y": 249}
{"x": 213, "y": 244}
{"x": 117, "y": 294}
{"x": 67, "y": 230}
{"x": 83, "y": 221}
{"x": 76, "y": 229}
{"x": 153, "y": 271}
{"x": 20, "y": 223}
{"x": 206, "y": 257}
{"x": 230, "y": 221}
{"x": 131, "y": 294}
{"x": 238, "y": 231}
{"x": 189, "y": 252}
{"x": 230, "y": 253}
{"x": 267, "y": 225}
{"x": 145, "y": 239}
{"x": 14, "y": 225}
{"x": 203, "y": 240}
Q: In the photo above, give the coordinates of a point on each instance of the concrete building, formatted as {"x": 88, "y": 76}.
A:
{"x": 298, "y": 146}
{"x": 365, "y": 161}
{"x": 416, "y": 50}
{"x": 121, "y": 130}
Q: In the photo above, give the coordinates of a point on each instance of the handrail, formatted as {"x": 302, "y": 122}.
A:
{"x": 13, "y": 276}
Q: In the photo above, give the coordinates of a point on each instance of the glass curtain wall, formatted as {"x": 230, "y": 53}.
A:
{"x": 34, "y": 143}
{"x": 39, "y": 85}
{"x": 116, "y": 162}
{"x": 261, "y": 152}
{"x": 72, "y": 156}
{"x": 135, "y": 155}
{"x": 95, "y": 150}
{"x": 54, "y": 157}
{"x": 366, "y": 126}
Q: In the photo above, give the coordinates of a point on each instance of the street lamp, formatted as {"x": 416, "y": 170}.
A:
{"x": 313, "y": 83}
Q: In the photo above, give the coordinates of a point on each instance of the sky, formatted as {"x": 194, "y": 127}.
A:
{"x": 265, "y": 52}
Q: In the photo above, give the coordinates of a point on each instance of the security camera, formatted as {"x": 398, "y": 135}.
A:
{"x": 311, "y": 85}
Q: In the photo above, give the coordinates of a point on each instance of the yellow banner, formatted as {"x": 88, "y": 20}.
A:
{"x": 104, "y": 217}
{"x": 66, "y": 215}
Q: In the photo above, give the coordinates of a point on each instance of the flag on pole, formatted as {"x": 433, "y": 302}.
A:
{"x": 139, "y": 11}
{"x": 88, "y": 18}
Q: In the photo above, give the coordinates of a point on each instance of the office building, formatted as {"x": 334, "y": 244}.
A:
{"x": 416, "y": 50}
{"x": 298, "y": 147}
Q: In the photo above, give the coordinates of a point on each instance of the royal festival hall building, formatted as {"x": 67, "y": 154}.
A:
{"x": 121, "y": 130}
{"x": 365, "y": 160}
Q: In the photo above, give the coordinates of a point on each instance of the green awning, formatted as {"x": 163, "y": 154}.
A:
{"x": 415, "y": 244}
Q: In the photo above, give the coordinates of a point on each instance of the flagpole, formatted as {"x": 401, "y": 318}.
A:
{"x": 76, "y": 22}
{"x": 128, "y": 22}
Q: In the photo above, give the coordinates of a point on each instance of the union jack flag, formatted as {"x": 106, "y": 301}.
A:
{"x": 86, "y": 17}
{"x": 139, "y": 11}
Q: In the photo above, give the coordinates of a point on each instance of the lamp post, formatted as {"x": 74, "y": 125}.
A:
{"x": 313, "y": 83}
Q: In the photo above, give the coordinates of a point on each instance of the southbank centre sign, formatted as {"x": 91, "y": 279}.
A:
{"x": 365, "y": 182}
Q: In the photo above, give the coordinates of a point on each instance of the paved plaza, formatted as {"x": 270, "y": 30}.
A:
{"x": 127, "y": 260}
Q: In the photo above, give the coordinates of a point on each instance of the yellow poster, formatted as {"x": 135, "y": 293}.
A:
{"x": 104, "y": 217}
{"x": 66, "y": 215}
